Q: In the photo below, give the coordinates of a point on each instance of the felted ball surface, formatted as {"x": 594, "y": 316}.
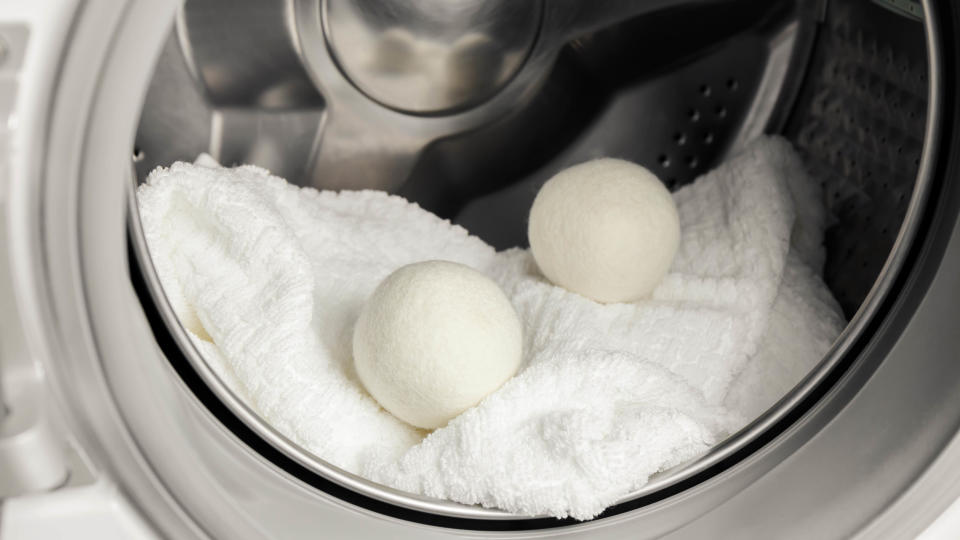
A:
{"x": 606, "y": 229}
{"x": 433, "y": 340}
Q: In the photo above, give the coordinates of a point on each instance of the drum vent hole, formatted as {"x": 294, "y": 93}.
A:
{"x": 705, "y": 90}
{"x": 680, "y": 138}
{"x": 138, "y": 154}
{"x": 708, "y": 137}
{"x": 664, "y": 160}
{"x": 732, "y": 84}
{"x": 721, "y": 111}
{"x": 692, "y": 162}
{"x": 694, "y": 115}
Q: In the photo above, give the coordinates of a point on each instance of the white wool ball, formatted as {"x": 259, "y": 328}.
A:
{"x": 433, "y": 340}
{"x": 607, "y": 229}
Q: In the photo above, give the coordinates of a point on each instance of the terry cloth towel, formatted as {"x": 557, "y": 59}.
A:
{"x": 269, "y": 278}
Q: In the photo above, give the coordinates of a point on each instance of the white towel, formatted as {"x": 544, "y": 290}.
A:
{"x": 269, "y": 279}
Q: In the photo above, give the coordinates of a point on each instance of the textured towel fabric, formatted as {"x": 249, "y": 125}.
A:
{"x": 269, "y": 278}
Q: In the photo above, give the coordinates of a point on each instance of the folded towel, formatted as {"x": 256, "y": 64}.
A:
{"x": 268, "y": 279}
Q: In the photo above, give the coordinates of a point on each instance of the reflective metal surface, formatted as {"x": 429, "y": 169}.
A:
{"x": 860, "y": 126}
{"x": 431, "y": 56}
{"x": 354, "y": 130}
{"x": 245, "y": 55}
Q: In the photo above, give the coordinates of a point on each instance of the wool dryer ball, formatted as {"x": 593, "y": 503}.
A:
{"x": 606, "y": 229}
{"x": 433, "y": 340}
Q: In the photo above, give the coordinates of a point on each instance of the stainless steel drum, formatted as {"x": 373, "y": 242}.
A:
{"x": 466, "y": 107}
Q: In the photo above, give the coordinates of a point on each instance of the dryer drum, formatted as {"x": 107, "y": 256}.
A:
{"x": 864, "y": 89}
{"x": 851, "y": 95}
{"x": 846, "y": 82}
